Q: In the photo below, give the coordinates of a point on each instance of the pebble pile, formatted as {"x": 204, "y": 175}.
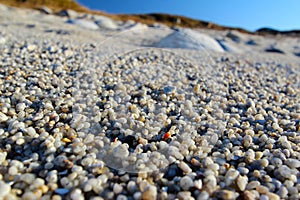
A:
{"x": 146, "y": 124}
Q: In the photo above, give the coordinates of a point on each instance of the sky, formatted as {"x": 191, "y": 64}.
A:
{"x": 248, "y": 14}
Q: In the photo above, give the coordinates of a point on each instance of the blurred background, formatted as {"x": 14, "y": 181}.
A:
{"x": 250, "y": 15}
{"x": 247, "y": 15}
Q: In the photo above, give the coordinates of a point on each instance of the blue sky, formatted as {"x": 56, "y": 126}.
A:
{"x": 248, "y": 14}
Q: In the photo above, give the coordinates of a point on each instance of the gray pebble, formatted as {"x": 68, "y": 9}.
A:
{"x": 263, "y": 197}
{"x": 186, "y": 183}
{"x": 292, "y": 163}
{"x": 122, "y": 197}
{"x": 184, "y": 195}
{"x": 284, "y": 171}
{"x": 203, "y": 196}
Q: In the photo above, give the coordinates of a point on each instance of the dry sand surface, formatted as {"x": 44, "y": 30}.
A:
{"x": 92, "y": 108}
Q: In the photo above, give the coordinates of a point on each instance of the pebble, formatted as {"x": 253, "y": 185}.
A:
{"x": 27, "y": 178}
{"x": 198, "y": 184}
{"x": 284, "y": 142}
{"x": 149, "y": 193}
{"x": 292, "y": 163}
{"x": 13, "y": 170}
{"x": 264, "y": 162}
{"x": 263, "y": 197}
{"x": 117, "y": 188}
{"x": 62, "y": 191}
{"x": 277, "y": 162}
{"x": 231, "y": 176}
{"x": 243, "y": 170}
{"x": 247, "y": 141}
{"x": 252, "y": 185}
{"x": 284, "y": 171}
{"x": 226, "y": 195}
{"x": 30, "y": 48}
{"x": 210, "y": 182}
{"x": 121, "y": 197}
{"x": 184, "y": 167}
{"x": 273, "y": 196}
{"x": 184, "y": 195}
{"x": 3, "y": 117}
{"x": 4, "y": 189}
{"x": 203, "y": 195}
{"x": 76, "y": 194}
{"x": 249, "y": 156}
{"x": 262, "y": 189}
{"x": 29, "y": 196}
{"x": 121, "y": 151}
{"x": 186, "y": 183}
{"x": 247, "y": 195}
{"x": 242, "y": 182}
{"x": 282, "y": 192}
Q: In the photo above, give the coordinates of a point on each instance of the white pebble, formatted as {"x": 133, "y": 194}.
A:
{"x": 13, "y": 170}
{"x": 117, "y": 188}
{"x": 4, "y": 189}
{"x": 20, "y": 107}
{"x": 121, "y": 151}
{"x": 76, "y": 194}
{"x": 3, "y": 117}
{"x": 230, "y": 176}
{"x": 184, "y": 167}
{"x": 242, "y": 182}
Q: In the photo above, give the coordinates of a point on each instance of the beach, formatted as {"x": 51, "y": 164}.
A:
{"x": 93, "y": 108}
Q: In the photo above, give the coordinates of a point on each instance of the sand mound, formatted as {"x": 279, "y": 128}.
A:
{"x": 106, "y": 23}
{"x": 189, "y": 39}
{"x": 83, "y": 23}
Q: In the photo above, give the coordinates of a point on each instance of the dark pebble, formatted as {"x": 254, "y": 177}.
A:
{"x": 274, "y": 50}
{"x": 131, "y": 141}
{"x": 173, "y": 171}
{"x": 173, "y": 188}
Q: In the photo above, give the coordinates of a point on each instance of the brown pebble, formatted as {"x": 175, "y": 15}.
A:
{"x": 149, "y": 193}
{"x": 226, "y": 165}
{"x": 226, "y": 194}
{"x": 247, "y": 195}
{"x": 68, "y": 164}
{"x": 195, "y": 162}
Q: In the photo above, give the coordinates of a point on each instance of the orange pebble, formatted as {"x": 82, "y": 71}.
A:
{"x": 166, "y": 135}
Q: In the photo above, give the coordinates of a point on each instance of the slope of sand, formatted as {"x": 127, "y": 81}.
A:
{"x": 112, "y": 110}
